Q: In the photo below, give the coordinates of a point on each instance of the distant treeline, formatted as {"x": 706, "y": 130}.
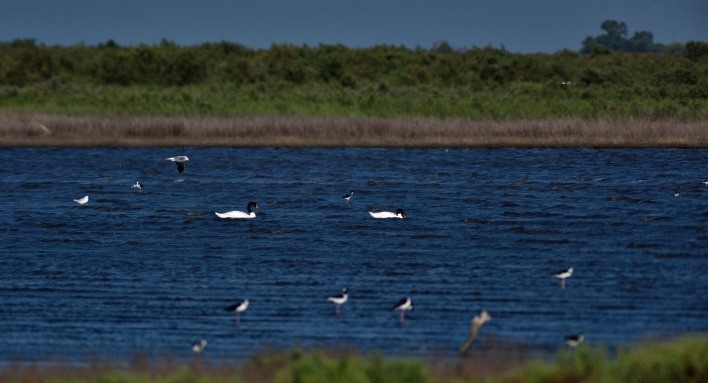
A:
{"x": 384, "y": 80}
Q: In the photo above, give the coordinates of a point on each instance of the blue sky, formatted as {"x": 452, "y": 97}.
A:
{"x": 520, "y": 25}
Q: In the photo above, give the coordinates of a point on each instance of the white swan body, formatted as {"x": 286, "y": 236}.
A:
{"x": 239, "y": 214}
{"x": 387, "y": 214}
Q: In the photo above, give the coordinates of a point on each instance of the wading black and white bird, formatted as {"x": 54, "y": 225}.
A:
{"x": 348, "y": 196}
{"x": 403, "y": 305}
{"x": 574, "y": 340}
{"x": 677, "y": 194}
{"x": 563, "y": 275}
{"x": 240, "y": 214}
{"x": 339, "y": 299}
{"x": 179, "y": 161}
{"x": 198, "y": 346}
{"x": 387, "y": 214}
{"x": 82, "y": 201}
{"x": 238, "y": 308}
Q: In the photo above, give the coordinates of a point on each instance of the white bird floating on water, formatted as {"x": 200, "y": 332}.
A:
{"x": 137, "y": 185}
{"x": 562, "y": 275}
{"x": 339, "y": 299}
{"x": 199, "y": 346}
{"x": 179, "y": 161}
{"x": 239, "y": 214}
{"x": 82, "y": 201}
{"x": 387, "y": 214}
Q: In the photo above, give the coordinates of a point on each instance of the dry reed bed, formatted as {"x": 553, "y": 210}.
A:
{"x": 48, "y": 130}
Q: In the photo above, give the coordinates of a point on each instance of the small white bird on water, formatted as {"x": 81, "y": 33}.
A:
{"x": 563, "y": 275}
{"x": 240, "y": 214}
{"x": 339, "y": 299}
{"x": 82, "y": 201}
{"x": 387, "y": 214}
{"x": 199, "y": 346}
{"x": 137, "y": 185}
{"x": 179, "y": 161}
{"x": 403, "y": 305}
{"x": 238, "y": 308}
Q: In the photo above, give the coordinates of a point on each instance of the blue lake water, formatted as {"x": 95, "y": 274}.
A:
{"x": 151, "y": 270}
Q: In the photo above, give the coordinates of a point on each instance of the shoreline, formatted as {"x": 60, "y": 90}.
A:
{"x": 55, "y": 130}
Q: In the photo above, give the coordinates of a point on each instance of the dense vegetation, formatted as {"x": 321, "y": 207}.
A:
{"x": 334, "y": 80}
{"x": 684, "y": 360}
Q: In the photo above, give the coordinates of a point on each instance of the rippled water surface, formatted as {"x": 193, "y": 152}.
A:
{"x": 151, "y": 270}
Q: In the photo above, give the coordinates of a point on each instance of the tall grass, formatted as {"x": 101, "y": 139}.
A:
{"x": 37, "y": 130}
{"x": 676, "y": 361}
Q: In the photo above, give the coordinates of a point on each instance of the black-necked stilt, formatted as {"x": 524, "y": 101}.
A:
{"x": 238, "y": 308}
{"x": 387, "y": 214}
{"x": 179, "y": 161}
{"x": 199, "y": 346}
{"x": 563, "y": 275}
{"x": 339, "y": 299}
{"x": 239, "y": 214}
{"x": 565, "y": 83}
{"x": 137, "y": 185}
{"x": 82, "y": 201}
{"x": 574, "y": 340}
{"x": 348, "y": 196}
{"x": 677, "y": 194}
{"x": 403, "y": 305}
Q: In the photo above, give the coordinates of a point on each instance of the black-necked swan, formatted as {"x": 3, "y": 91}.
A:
{"x": 82, "y": 201}
{"x": 239, "y": 214}
{"x": 562, "y": 275}
{"x": 339, "y": 299}
{"x": 387, "y": 214}
{"x": 179, "y": 161}
{"x": 403, "y": 305}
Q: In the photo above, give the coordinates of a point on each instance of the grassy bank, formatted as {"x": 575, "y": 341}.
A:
{"x": 682, "y": 360}
{"x": 333, "y": 80}
{"x": 53, "y": 130}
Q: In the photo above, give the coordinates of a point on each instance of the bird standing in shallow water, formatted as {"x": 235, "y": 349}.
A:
{"x": 563, "y": 275}
{"x": 179, "y": 161}
{"x": 198, "y": 346}
{"x": 339, "y": 299}
{"x": 574, "y": 340}
{"x": 348, "y": 196}
{"x": 238, "y": 308}
{"x": 403, "y": 305}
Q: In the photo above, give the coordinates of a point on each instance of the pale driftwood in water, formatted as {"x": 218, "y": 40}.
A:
{"x": 477, "y": 322}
